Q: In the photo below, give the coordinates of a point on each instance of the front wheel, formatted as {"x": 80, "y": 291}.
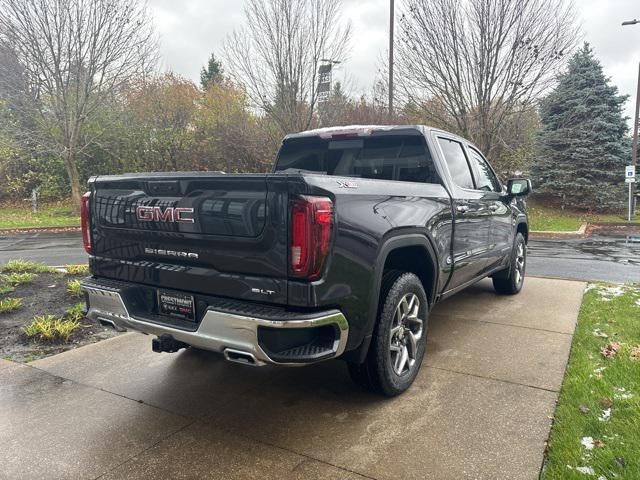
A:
{"x": 399, "y": 339}
{"x": 511, "y": 281}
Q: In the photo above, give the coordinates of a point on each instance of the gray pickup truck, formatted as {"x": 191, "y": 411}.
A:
{"x": 341, "y": 251}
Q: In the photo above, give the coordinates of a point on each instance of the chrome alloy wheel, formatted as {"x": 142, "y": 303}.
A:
{"x": 405, "y": 332}
{"x": 520, "y": 260}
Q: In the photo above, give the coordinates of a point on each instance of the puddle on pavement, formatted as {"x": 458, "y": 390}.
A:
{"x": 620, "y": 249}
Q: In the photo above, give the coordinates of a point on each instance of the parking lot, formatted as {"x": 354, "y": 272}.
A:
{"x": 481, "y": 407}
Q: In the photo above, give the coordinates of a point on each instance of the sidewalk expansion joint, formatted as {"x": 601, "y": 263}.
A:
{"x": 466, "y": 319}
{"x": 153, "y": 445}
{"x": 140, "y": 402}
{"x": 495, "y": 379}
{"x": 301, "y": 454}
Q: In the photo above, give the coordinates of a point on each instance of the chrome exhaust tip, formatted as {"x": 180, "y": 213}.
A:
{"x": 239, "y": 356}
{"x": 106, "y": 322}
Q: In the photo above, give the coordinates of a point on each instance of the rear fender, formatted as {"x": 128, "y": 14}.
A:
{"x": 388, "y": 246}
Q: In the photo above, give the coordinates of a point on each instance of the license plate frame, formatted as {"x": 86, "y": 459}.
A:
{"x": 176, "y": 304}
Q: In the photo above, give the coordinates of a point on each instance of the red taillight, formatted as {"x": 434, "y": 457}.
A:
{"x": 311, "y": 222}
{"x": 85, "y": 223}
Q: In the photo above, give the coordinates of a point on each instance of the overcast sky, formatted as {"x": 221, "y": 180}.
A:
{"x": 191, "y": 29}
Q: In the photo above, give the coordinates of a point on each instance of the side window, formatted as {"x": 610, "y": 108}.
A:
{"x": 486, "y": 180}
{"x": 401, "y": 158}
{"x": 457, "y": 162}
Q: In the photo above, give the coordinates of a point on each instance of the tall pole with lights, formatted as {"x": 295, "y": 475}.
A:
{"x": 636, "y": 119}
{"x": 391, "y": 21}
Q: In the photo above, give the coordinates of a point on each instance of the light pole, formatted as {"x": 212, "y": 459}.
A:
{"x": 391, "y": 21}
{"x": 636, "y": 119}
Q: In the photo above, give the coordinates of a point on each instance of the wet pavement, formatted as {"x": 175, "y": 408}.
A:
{"x": 603, "y": 258}
{"x": 481, "y": 406}
{"x": 51, "y": 248}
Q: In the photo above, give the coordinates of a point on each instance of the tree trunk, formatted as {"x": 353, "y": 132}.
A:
{"x": 74, "y": 178}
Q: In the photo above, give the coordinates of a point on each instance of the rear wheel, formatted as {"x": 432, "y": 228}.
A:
{"x": 511, "y": 281}
{"x": 399, "y": 339}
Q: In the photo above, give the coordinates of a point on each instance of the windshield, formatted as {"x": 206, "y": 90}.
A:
{"x": 393, "y": 157}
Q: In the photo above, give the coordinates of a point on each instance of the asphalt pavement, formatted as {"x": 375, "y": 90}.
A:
{"x": 603, "y": 258}
{"x": 49, "y": 248}
{"x": 610, "y": 258}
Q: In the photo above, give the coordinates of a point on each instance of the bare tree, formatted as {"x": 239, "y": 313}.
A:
{"x": 75, "y": 56}
{"x": 481, "y": 60}
{"x": 277, "y": 54}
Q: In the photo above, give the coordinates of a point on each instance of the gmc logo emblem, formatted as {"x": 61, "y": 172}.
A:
{"x": 169, "y": 214}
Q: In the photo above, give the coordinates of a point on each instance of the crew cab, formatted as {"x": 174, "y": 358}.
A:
{"x": 340, "y": 252}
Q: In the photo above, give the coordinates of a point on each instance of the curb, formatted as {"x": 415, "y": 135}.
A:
{"x": 550, "y": 233}
{"x": 4, "y": 231}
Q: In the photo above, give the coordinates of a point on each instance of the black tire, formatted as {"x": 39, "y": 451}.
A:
{"x": 383, "y": 370}
{"x": 511, "y": 280}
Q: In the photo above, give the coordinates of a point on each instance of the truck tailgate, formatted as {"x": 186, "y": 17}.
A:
{"x": 208, "y": 233}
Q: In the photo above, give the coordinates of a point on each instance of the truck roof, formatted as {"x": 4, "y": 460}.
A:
{"x": 354, "y": 130}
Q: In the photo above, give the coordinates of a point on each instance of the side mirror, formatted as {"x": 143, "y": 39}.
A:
{"x": 519, "y": 187}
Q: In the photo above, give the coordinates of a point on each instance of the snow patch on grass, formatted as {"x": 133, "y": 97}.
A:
{"x": 587, "y": 442}
{"x": 606, "y": 415}
{"x": 607, "y": 293}
{"x": 599, "y": 333}
{"x": 586, "y": 470}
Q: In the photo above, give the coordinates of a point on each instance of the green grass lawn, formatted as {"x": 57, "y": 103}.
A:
{"x": 596, "y": 431}
{"x": 57, "y": 215}
{"x": 554, "y": 219}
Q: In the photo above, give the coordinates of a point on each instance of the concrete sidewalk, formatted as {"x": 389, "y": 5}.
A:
{"x": 480, "y": 408}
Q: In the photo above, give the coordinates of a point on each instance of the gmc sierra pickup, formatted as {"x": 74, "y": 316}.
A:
{"x": 341, "y": 251}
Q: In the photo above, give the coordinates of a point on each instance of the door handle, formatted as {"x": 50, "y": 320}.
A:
{"x": 462, "y": 208}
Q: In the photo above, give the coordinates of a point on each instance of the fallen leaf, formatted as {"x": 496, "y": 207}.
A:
{"x": 635, "y": 353}
{"x": 583, "y": 409}
{"x": 606, "y": 402}
{"x": 598, "y": 444}
{"x": 610, "y": 350}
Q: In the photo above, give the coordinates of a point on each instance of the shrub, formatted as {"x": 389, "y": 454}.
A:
{"x": 77, "y": 269}
{"x": 73, "y": 287}
{"x": 75, "y": 313}
{"x": 17, "y": 278}
{"x": 22, "y": 266}
{"x": 49, "y": 328}
{"x": 10, "y": 304}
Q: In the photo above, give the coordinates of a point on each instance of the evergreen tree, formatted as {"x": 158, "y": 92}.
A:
{"x": 212, "y": 72}
{"x": 582, "y": 146}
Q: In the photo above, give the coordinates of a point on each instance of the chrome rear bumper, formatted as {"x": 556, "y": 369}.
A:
{"x": 232, "y": 334}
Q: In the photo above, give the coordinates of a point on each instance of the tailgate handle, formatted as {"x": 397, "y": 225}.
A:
{"x": 163, "y": 188}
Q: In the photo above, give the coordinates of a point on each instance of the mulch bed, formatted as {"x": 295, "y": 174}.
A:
{"x": 46, "y": 295}
{"x": 612, "y": 229}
